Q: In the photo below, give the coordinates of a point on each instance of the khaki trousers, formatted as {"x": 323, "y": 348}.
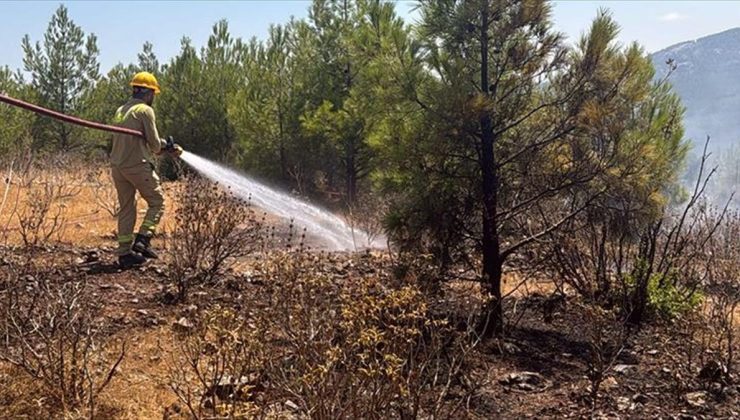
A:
{"x": 127, "y": 181}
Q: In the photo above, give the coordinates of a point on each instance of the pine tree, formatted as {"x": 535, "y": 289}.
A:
{"x": 15, "y": 130}
{"x": 352, "y": 39}
{"x": 148, "y": 60}
{"x": 196, "y": 91}
{"x": 63, "y": 70}
{"x": 515, "y": 135}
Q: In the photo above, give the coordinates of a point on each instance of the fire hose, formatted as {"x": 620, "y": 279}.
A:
{"x": 77, "y": 121}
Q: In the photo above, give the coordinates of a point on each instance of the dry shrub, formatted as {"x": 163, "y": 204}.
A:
{"x": 326, "y": 344}
{"x": 721, "y": 313}
{"x": 43, "y": 187}
{"x": 724, "y": 288}
{"x": 366, "y": 347}
{"x": 51, "y": 333}
{"x": 607, "y": 337}
{"x": 217, "y": 364}
{"x": 346, "y": 348}
{"x": 41, "y": 216}
{"x": 106, "y": 196}
{"x": 212, "y": 227}
{"x": 366, "y": 216}
{"x": 648, "y": 266}
{"x": 706, "y": 339}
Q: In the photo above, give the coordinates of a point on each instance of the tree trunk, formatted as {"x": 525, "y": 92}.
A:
{"x": 351, "y": 175}
{"x": 642, "y": 276}
{"x": 493, "y": 322}
{"x": 283, "y": 157}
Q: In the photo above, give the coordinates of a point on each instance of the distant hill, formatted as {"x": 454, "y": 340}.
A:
{"x": 707, "y": 78}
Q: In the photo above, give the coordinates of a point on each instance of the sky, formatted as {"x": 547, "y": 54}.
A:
{"x": 123, "y": 26}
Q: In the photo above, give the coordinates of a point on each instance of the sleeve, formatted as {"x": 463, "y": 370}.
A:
{"x": 150, "y": 131}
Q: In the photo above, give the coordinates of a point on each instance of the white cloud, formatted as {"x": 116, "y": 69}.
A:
{"x": 672, "y": 17}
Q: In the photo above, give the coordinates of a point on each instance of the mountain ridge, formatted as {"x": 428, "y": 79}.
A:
{"x": 707, "y": 78}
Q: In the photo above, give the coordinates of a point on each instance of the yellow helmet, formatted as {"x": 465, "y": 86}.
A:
{"x": 146, "y": 80}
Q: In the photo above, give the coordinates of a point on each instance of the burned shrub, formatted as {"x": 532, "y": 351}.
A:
{"x": 361, "y": 346}
{"x": 212, "y": 227}
{"x": 324, "y": 346}
{"x": 51, "y": 333}
{"x": 217, "y": 365}
{"x": 649, "y": 267}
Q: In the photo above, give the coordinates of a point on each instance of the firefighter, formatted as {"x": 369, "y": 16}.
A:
{"x": 132, "y": 169}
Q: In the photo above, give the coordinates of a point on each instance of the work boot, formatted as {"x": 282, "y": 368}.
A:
{"x": 142, "y": 245}
{"x": 132, "y": 259}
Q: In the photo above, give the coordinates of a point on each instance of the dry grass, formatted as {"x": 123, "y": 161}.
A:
{"x": 87, "y": 220}
{"x": 140, "y": 390}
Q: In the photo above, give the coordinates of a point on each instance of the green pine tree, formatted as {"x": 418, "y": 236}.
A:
{"x": 63, "y": 69}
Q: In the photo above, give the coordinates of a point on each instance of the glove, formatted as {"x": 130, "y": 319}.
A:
{"x": 172, "y": 148}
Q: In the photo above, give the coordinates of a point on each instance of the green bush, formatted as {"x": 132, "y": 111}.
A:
{"x": 668, "y": 301}
{"x": 666, "y": 297}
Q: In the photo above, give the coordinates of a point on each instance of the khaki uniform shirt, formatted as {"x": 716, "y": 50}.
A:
{"x": 128, "y": 150}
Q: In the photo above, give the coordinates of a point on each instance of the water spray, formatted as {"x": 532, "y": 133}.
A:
{"x": 335, "y": 231}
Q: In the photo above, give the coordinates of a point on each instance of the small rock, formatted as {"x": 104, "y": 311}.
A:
{"x": 291, "y": 405}
{"x": 609, "y": 383}
{"x": 154, "y": 358}
{"x": 168, "y": 298}
{"x": 173, "y": 412}
{"x": 92, "y": 256}
{"x": 623, "y": 369}
{"x": 666, "y": 370}
{"x": 623, "y": 403}
{"x": 500, "y": 346}
{"x": 135, "y": 301}
{"x": 652, "y": 352}
{"x": 628, "y": 358}
{"x": 183, "y": 324}
{"x": 142, "y": 312}
{"x": 511, "y": 348}
{"x": 525, "y": 381}
{"x": 696, "y": 399}
{"x": 640, "y": 398}
{"x": 80, "y": 225}
{"x": 230, "y": 387}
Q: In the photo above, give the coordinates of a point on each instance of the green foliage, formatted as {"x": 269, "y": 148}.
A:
{"x": 195, "y": 91}
{"x": 665, "y": 299}
{"x": 148, "y": 60}
{"x": 101, "y": 103}
{"x": 265, "y": 110}
{"x": 62, "y": 71}
{"x": 15, "y": 130}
